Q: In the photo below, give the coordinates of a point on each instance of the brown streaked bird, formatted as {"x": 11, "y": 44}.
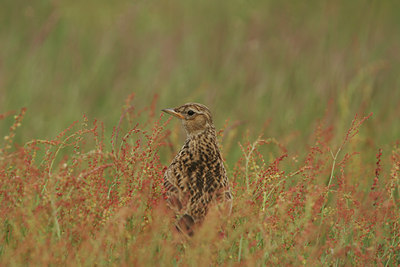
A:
{"x": 196, "y": 178}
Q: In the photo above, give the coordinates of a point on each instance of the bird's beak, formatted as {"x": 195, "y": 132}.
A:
{"x": 173, "y": 113}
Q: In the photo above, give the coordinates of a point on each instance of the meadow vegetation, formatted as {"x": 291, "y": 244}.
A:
{"x": 305, "y": 97}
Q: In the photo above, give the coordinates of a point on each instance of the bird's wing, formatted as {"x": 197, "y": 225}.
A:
{"x": 172, "y": 191}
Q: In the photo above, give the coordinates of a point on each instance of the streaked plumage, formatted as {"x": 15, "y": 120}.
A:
{"x": 196, "y": 177}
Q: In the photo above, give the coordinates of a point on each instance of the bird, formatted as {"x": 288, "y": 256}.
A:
{"x": 196, "y": 179}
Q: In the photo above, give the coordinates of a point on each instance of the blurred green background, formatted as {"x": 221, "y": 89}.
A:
{"x": 275, "y": 66}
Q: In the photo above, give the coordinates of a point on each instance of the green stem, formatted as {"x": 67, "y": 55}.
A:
{"x": 240, "y": 248}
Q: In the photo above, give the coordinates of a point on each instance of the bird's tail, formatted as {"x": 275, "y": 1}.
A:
{"x": 185, "y": 225}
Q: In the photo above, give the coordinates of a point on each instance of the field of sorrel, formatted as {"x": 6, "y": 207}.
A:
{"x": 305, "y": 96}
{"x": 71, "y": 200}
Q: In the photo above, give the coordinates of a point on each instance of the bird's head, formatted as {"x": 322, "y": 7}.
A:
{"x": 196, "y": 118}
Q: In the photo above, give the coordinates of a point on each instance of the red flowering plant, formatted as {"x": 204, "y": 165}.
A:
{"x": 85, "y": 198}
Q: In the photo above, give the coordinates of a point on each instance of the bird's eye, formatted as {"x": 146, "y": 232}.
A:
{"x": 190, "y": 112}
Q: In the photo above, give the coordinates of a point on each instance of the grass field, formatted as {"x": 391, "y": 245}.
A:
{"x": 306, "y": 98}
